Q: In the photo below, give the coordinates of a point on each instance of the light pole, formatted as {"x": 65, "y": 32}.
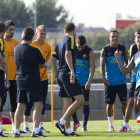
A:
{"x": 35, "y": 16}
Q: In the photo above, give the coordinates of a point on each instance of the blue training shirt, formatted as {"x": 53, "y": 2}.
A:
{"x": 82, "y": 65}
{"x": 133, "y": 50}
{"x": 136, "y": 59}
{"x": 113, "y": 73}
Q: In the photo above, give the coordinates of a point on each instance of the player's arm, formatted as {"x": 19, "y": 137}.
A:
{"x": 1, "y": 62}
{"x": 128, "y": 68}
{"x": 68, "y": 57}
{"x": 6, "y": 73}
{"x": 92, "y": 70}
{"x": 54, "y": 65}
{"x": 102, "y": 67}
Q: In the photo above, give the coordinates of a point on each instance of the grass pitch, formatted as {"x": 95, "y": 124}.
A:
{"x": 97, "y": 130}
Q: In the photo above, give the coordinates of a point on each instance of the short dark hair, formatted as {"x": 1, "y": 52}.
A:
{"x": 136, "y": 33}
{"x": 2, "y": 26}
{"x": 81, "y": 40}
{"x": 27, "y": 33}
{"x": 114, "y": 31}
{"x": 9, "y": 23}
{"x": 69, "y": 27}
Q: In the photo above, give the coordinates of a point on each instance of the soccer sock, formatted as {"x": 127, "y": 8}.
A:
{"x": 13, "y": 126}
{"x": 26, "y": 124}
{"x": 124, "y": 118}
{"x": 74, "y": 116}
{"x": 36, "y": 130}
{"x": 17, "y": 131}
{"x": 126, "y": 124}
{"x": 68, "y": 130}
{"x": 86, "y": 112}
{"x": 110, "y": 120}
{"x": 0, "y": 127}
{"x": 62, "y": 121}
{"x": 41, "y": 124}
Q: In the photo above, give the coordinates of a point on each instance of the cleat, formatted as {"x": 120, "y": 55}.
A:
{"x": 111, "y": 128}
{"x": 84, "y": 129}
{"x": 137, "y": 132}
{"x": 73, "y": 135}
{"x": 75, "y": 126}
{"x": 129, "y": 128}
{"x": 6, "y": 134}
{"x": 21, "y": 131}
{"x": 61, "y": 128}
{"x": 39, "y": 134}
{"x": 26, "y": 130}
{"x": 123, "y": 129}
{"x": 43, "y": 130}
{"x": 16, "y": 135}
{"x": 2, "y": 134}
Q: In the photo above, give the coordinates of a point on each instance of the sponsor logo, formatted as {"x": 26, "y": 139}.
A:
{"x": 84, "y": 55}
{"x": 109, "y": 53}
{"x": 11, "y": 54}
{"x": 46, "y": 51}
{"x": 114, "y": 60}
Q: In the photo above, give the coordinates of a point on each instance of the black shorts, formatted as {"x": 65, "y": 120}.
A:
{"x": 137, "y": 93}
{"x": 13, "y": 95}
{"x": 132, "y": 89}
{"x": 66, "y": 88}
{"x": 29, "y": 96}
{"x": 2, "y": 86}
{"x": 110, "y": 93}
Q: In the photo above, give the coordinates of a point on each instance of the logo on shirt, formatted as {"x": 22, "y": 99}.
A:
{"x": 46, "y": 51}
{"x": 120, "y": 52}
{"x": 11, "y": 54}
{"x": 109, "y": 53}
{"x": 84, "y": 55}
{"x": 114, "y": 60}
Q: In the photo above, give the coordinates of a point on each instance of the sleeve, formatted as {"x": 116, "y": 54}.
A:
{"x": 70, "y": 44}
{"x": 2, "y": 48}
{"x": 49, "y": 53}
{"x": 55, "y": 52}
{"x": 40, "y": 56}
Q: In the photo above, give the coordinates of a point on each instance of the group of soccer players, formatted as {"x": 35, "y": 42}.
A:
{"x": 23, "y": 67}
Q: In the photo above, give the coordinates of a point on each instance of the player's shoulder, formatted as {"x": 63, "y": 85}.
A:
{"x": 16, "y": 41}
{"x": 47, "y": 45}
{"x": 34, "y": 47}
{"x": 88, "y": 48}
{"x": 121, "y": 46}
{"x": 133, "y": 46}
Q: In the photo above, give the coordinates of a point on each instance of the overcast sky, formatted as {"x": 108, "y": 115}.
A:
{"x": 99, "y": 13}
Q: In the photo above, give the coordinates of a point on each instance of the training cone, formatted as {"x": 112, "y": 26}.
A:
{"x": 6, "y": 120}
{"x": 138, "y": 119}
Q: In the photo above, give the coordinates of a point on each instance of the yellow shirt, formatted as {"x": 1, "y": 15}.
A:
{"x": 46, "y": 52}
{"x": 9, "y": 52}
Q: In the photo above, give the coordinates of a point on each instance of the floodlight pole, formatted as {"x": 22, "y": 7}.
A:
{"x": 35, "y": 16}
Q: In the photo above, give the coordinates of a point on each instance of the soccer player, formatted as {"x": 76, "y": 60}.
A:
{"x": 46, "y": 51}
{"x": 114, "y": 80}
{"x": 65, "y": 52}
{"x": 29, "y": 89}
{"x": 85, "y": 67}
{"x": 128, "y": 112}
{"x": 3, "y": 72}
{"x": 10, "y": 44}
{"x": 134, "y": 62}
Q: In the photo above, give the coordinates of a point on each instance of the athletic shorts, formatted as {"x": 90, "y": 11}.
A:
{"x": 66, "y": 88}
{"x": 2, "y": 86}
{"x": 110, "y": 93}
{"x": 132, "y": 89}
{"x": 85, "y": 93}
{"x": 13, "y": 95}
{"x": 137, "y": 93}
{"x": 29, "y": 96}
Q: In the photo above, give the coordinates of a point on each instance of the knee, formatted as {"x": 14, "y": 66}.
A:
{"x": 138, "y": 102}
{"x": 109, "y": 106}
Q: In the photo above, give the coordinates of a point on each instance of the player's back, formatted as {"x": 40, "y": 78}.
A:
{"x": 67, "y": 43}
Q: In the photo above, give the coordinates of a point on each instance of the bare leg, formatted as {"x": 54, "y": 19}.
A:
{"x": 109, "y": 110}
{"x": 124, "y": 104}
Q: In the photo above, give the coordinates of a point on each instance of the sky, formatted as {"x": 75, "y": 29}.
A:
{"x": 99, "y": 13}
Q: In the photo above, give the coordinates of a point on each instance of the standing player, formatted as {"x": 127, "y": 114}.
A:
{"x": 46, "y": 52}
{"x": 128, "y": 112}
{"x": 85, "y": 67}
{"x": 29, "y": 89}
{"x": 3, "y": 72}
{"x": 134, "y": 62}
{"x": 10, "y": 44}
{"x": 114, "y": 80}
{"x": 65, "y": 52}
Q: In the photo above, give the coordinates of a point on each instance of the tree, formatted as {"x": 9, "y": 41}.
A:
{"x": 50, "y": 15}
{"x": 16, "y": 11}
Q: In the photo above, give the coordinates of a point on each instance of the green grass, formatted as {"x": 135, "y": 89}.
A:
{"x": 97, "y": 130}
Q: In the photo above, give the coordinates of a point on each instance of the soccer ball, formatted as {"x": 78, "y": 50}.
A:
{"x": 138, "y": 119}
